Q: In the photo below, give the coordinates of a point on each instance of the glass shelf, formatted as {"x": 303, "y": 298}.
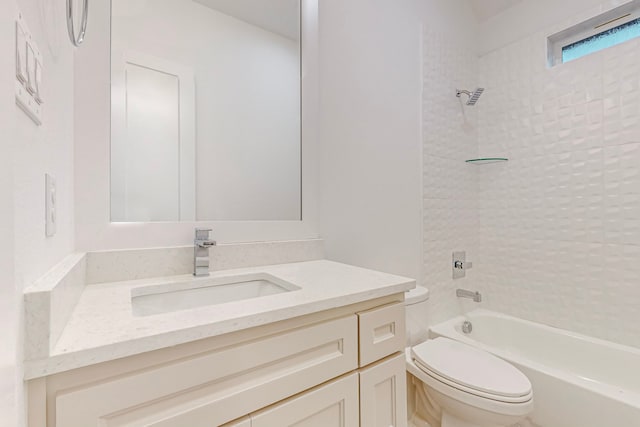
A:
{"x": 487, "y": 160}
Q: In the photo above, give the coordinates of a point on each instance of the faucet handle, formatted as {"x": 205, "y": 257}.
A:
{"x": 460, "y": 264}
{"x": 202, "y": 233}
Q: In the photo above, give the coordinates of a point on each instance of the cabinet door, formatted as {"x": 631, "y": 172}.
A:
{"x": 244, "y": 422}
{"x": 383, "y": 393}
{"x": 331, "y": 405}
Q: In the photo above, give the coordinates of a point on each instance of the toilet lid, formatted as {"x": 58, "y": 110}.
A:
{"x": 471, "y": 367}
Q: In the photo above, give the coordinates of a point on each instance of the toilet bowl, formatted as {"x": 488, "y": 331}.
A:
{"x": 466, "y": 386}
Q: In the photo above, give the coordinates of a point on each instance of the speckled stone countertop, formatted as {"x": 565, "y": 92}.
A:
{"x": 103, "y": 327}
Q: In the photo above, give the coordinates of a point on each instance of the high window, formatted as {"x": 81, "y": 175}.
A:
{"x": 609, "y": 29}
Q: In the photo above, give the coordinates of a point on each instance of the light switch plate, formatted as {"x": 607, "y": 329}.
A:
{"x": 28, "y": 104}
{"x": 21, "y": 53}
{"x": 29, "y": 72}
{"x": 51, "y": 204}
{"x": 31, "y": 69}
{"x": 37, "y": 95}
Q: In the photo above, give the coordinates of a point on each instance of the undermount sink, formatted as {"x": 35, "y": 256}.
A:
{"x": 175, "y": 296}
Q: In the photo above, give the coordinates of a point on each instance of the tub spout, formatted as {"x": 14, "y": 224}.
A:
{"x": 463, "y": 293}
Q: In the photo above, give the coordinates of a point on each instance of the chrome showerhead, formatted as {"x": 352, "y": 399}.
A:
{"x": 473, "y": 96}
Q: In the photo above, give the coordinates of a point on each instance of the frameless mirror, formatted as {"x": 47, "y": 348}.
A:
{"x": 205, "y": 115}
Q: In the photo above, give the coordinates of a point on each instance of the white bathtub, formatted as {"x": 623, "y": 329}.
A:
{"x": 578, "y": 381}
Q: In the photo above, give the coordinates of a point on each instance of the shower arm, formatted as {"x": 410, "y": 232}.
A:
{"x": 460, "y": 92}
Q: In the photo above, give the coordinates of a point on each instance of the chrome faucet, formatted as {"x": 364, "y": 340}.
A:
{"x": 201, "y": 246}
{"x": 463, "y": 293}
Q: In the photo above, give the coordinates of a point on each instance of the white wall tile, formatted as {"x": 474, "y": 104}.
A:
{"x": 450, "y": 221}
{"x": 559, "y": 224}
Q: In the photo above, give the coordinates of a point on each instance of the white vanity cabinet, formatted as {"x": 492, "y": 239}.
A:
{"x": 338, "y": 368}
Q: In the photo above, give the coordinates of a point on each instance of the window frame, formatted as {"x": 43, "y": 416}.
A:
{"x": 599, "y": 24}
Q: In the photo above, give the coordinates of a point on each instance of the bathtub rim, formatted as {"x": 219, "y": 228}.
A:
{"x": 448, "y": 329}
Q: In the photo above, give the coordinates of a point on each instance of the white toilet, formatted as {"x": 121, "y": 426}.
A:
{"x": 463, "y": 386}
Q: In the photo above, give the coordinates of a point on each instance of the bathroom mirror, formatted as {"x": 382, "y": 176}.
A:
{"x": 205, "y": 110}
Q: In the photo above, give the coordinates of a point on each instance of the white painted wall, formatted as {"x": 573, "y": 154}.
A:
{"x": 559, "y": 231}
{"x": 27, "y": 153}
{"x": 45, "y": 149}
{"x": 375, "y": 125}
{"x": 370, "y": 133}
{"x": 247, "y": 103}
{"x": 9, "y": 295}
{"x": 92, "y": 130}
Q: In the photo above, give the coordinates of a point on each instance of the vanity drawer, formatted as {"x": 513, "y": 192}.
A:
{"x": 220, "y": 386}
{"x": 381, "y": 332}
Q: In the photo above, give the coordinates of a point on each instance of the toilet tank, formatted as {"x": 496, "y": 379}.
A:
{"x": 415, "y": 301}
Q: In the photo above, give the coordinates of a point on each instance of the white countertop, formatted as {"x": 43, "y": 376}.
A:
{"x": 102, "y": 326}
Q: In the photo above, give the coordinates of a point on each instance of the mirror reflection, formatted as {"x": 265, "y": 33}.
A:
{"x": 205, "y": 110}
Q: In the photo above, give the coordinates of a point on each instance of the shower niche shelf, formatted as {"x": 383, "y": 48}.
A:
{"x": 487, "y": 160}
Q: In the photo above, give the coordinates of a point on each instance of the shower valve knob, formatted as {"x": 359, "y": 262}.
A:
{"x": 462, "y": 265}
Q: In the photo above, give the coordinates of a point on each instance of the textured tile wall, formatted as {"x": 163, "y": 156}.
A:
{"x": 449, "y": 137}
{"x": 559, "y": 224}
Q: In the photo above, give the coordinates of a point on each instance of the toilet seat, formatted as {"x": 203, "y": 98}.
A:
{"x": 467, "y": 397}
{"x": 472, "y": 371}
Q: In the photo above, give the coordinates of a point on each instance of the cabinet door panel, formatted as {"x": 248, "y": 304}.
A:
{"x": 331, "y": 405}
{"x": 383, "y": 393}
{"x": 217, "y": 387}
{"x": 244, "y": 422}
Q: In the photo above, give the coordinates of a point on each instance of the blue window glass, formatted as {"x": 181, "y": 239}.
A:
{"x": 601, "y": 41}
